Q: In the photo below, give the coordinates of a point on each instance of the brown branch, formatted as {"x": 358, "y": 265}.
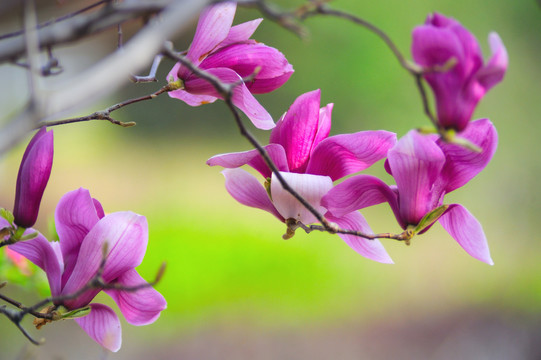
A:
{"x": 77, "y": 27}
{"x": 106, "y": 113}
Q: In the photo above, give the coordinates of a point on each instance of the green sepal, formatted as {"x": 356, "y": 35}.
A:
{"x": 18, "y": 233}
{"x": 430, "y": 218}
{"x": 267, "y": 186}
{"x": 175, "y": 85}
{"x": 6, "y": 214}
{"x": 29, "y": 236}
{"x": 72, "y": 314}
{"x": 465, "y": 143}
{"x": 427, "y": 130}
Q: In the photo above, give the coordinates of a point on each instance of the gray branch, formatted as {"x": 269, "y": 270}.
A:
{"x": 110, "y": 73}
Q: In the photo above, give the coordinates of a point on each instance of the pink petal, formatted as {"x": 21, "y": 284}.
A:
{"x": 467, "y": 231}
{"x": 213, "y": 27}
{"x": 462, "y": 164}
{"x": 41, "y": 252}
{"x": 346, "y": 154}
{"x": 141, "y": 307}
{"x": 371, "y": 249}
{"x": 241, "y": 32}
{"x": 433, "y": 46}
{"x": 75, "y": 216}
{"x": 493, "y": 72}
{"x": 242, "y": 98}
{"x": 253, "y": 159}
{"x": 245, "y": 188}
{"x": 192, "y": 99}
{"x": 244, "y": 58}
{"x": 297, "y": 130}
{"x": 324, "y": 125}
{"x": 103, "y": 326}
{"x": 416, "y": 163}
{"x": 310, "y": 187}
{"x": 359, "y": 192}
{"x": 126, "y": 234}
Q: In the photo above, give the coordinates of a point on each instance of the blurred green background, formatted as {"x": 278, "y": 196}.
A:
{"x": 235, "y": 289}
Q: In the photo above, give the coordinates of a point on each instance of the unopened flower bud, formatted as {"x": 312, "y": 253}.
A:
{"x": 32, "y": 179}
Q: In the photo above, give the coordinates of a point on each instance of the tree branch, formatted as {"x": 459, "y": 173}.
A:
{"x": 226, "y": 91}
{"x": 106, "y": 76}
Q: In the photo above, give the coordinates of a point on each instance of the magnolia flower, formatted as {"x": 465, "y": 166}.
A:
{"x": 442, "y": 41}
{"x": 32, "y": 179}
{"x": 309, "y": 161}
{"x": 228, "y": 53}
{"x": 425, "y": 169}
{"x": 72, "y": 262}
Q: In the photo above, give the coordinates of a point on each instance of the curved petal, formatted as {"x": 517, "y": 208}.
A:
{"x": 244, "y": 58}
{"x": 241, "y": 32}
{"x": 416, "y": 163}
{"x": 245, "y": 188}
{"x": 371, "y": 249}
{"x": 359, "y": 192}
{"x": 75, "y": 216}
{"x": 346, "y": 154}
{"x": 310, "y": 187}
{"x": 141, "y": 307}
{"x": 126, "y": 235}
{"x": 103, "y": 326}
{"x": 253, "y": 159}
{"x": 467, "y": 231}
{"x": 41, "y": 252}
{"x": 297, "y": 130}
{"x": 324, "y": 124}
{"x": 435, "y": 46}
{"x": 192, "y": 99}
{"x": 213, "y": 27}
{"x": 493, "y": 72}
{"x": 242, "y": 98}
{"x": 462, "y": 164}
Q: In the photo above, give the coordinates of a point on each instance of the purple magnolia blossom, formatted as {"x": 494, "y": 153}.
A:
{"x": 458, "y": 90}
{"x": 228, "y": 53}
{"x": 309, "y": 161}
{"x": 425, "y": 169}
{"x": 32, "y": 179}
{"x": 72, "y": 262}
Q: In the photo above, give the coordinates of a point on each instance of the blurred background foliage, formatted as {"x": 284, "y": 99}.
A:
{"x": 235, "y": 289}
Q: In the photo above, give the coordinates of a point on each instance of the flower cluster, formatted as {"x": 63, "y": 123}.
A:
{"x": 425, "y": 168}
{"x": 98, "y": 252}
{"x": 91, "y": 246}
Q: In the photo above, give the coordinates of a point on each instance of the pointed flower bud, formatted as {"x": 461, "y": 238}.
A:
{"x": 33, "y": 177}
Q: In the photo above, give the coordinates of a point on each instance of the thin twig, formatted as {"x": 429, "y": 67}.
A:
{"x": 151, "y": 77}
{"x": 54, "y": 21}
{"x": 106, "y": 113}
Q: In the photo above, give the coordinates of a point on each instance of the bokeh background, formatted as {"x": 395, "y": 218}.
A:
{"x": 235, "y": 289}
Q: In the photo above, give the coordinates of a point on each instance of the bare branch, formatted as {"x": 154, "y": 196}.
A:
{"x": 106, "y": 113}
{"x": 59, "y": 19}
{"x": 106, "y": 76}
